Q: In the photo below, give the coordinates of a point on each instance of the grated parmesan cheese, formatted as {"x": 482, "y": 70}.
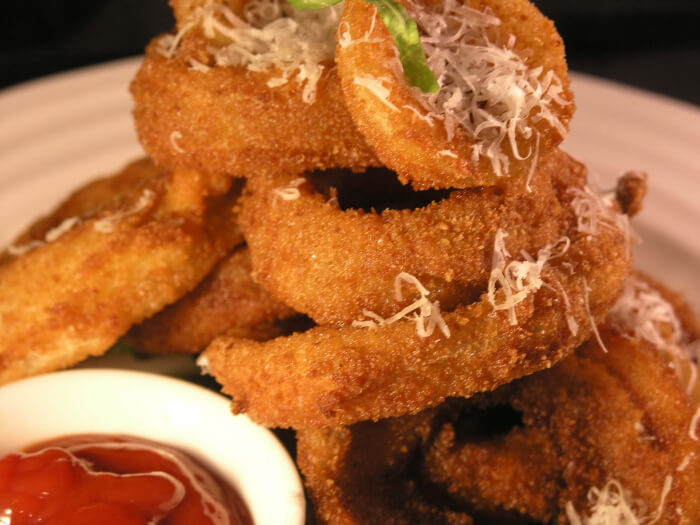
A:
{"x": 346, "y": 40}
{"x": 615, "y": 505}
{"x": 270, "y": 34}
{"x": 517, "y": 279}
{"x": 16, "y": 251}
{"x": 642, "y": 313}
{"x": 377, "y": 88}
{"x": 53, "y": 234}
{"x": 422, "y": 311}
{"x": 595, "y": 211}
{"x": 568, "y": 315}
{"x": 693, "y": 431}
{"x": 109, "y": 223}
{"x": 686, "y": 461}
{"x": 594, "y": 327}
{"x": 63, "y": 228}
{"x": 486, "y": 89}
{"x": 175, "y": 136}
{"x": 289, "y": 192}
{"x": 203, "y": 364}
{"x": 196, "y": 65}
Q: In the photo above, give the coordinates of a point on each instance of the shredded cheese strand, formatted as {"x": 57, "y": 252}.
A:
{"x": 109, "y": 224}
{"x": 486, "y": 89}
{"x": 595, "y": 211}
{"x": 271, "y": 34}
{"x": 570, "y": 319}
{"x": 686, "y": 461}
{"x": 642, "y": 313}
{"x": 517, "y": 279}
{"x": 289, "y": 192}
{"x": 693, "y": 431}
{"x": 422, "y": 311}
{"x": 175, "y": 136}
{"x": 448, "y": 153}
{"x": 376, "y": 86}
{"x": 52, "y": 235}
{"x": 594, "y": 327}
{"x": 345, "y": 38}
{"x": 614, "y": 505}
{"x": 16, "y": 251}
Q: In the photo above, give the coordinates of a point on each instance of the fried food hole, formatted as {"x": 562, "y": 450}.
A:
{"x": 385, "y": 467}
{"x": 375, "y": 189}
{"x": 484, "y": 424}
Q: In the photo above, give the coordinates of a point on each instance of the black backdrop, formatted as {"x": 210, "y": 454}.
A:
{"x": 653, "y": 44}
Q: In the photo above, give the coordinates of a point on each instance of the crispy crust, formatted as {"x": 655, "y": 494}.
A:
{"x": 75, "y": 296}
{"x": 332, "y": 264}
{"x": 227, "y": 301}
{"x": 334, "y": 375}
{"x": 230, "y": 122}
{"x": 579, "y": 429}
{"x": 409, "y": 145}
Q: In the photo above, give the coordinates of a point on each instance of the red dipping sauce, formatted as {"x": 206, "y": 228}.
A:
{"x": 113, "y": 480}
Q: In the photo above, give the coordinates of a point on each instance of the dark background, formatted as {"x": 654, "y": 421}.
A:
{"x": 652, "y": 44}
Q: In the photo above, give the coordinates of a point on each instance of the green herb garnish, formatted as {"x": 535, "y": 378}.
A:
{"x": 404, "y": 31}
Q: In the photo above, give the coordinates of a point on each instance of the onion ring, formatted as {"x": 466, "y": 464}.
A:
{"x": 518, "y": 111}
{"x": 617, "y": 421}
{"x": 332, "y": 264}
{"x": 77, "y": 283}
{"x": 338, "y": 375}
{"x": 191, "y": 113}
{"x": 227, "y": 301}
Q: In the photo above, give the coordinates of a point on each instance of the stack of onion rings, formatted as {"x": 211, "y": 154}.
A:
{"x": 618, "y": 423}
{"x": 437, "y": 310}
{"x": 390, "y": 370}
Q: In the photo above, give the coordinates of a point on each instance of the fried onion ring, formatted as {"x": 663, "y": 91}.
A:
{"x": 531, "y": 450}
{"x": 516, "y": 108}
{"x": 338, "y": 375}
{"x": 227, "y": 119}
{"x": 227, "y": 301}
{"x": 332, "y": 263}
{"x": 78, "y": 282}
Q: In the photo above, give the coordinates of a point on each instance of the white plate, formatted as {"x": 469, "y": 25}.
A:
{"x": 61, "y": 131}
{"x": 162, "y": 409}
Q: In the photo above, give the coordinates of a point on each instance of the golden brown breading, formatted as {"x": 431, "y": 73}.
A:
{"x": 370, "y": 472}
{"x": 338, "y": 375}
{"x": 621, "y": 415}
{"x": 531, "y": 450}
{"x": 491, "y": 474}
{"x": 94, "y": 197}
{"x": 332, "y": 264}
{"x": 399, "y": 128}
{"x": 122, "y": 260}
{"x": 229, "y": 121}
{"x": 227, "y": 301}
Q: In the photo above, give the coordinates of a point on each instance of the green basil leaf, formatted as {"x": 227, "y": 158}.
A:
{"x": 310, "y": 5}
{"x": 404, "y": 30}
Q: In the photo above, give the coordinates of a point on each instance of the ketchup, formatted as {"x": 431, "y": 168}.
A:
{"x": 113, "y": 480}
